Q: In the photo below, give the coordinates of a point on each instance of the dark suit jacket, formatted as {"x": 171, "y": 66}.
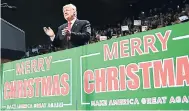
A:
{"x": 80, "y": 35}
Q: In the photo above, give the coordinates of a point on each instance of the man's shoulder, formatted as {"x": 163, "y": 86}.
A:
{"x": 83, "y": 21}
{"x": 62, "y": 26}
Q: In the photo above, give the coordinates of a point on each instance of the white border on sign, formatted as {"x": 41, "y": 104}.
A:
{"x": 81, "y": 74}
{"x": 2, "y": 93}
{"x": 181, "y": 37}
{"x": 58, "y": 61}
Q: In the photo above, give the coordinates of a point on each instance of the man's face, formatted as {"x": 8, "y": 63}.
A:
{"x": 68, "y": 13}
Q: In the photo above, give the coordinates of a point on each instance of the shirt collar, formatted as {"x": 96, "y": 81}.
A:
{"x": 73, "y": 20}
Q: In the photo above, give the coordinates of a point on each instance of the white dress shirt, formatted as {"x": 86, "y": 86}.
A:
{"x": 72, "y": 22}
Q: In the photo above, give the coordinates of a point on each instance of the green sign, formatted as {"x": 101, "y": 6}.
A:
{"x": 143, "y": 71}
{"x": 43, "y": 82}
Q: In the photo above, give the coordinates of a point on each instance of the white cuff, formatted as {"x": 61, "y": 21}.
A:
{"x": 52, "y": 38}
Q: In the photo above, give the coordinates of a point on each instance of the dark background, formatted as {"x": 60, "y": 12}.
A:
{"x": 32, "y": 15}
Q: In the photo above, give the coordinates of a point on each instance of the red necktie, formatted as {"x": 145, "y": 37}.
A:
{"x": 69, "y": 28}
{"x": 69, "y": 25}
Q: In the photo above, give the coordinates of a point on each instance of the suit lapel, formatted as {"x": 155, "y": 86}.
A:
{"x": 66, "y": 25}
{"x": 74, "y": 25}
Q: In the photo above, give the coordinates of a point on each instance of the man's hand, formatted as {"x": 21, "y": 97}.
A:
{"x": 67, "y": 32}
{"x": 49, "y": 31}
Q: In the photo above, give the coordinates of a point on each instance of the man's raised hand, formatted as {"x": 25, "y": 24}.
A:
{"x": 49, "y": 31}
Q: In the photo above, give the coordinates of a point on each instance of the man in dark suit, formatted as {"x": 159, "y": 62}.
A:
{"x": 74, "y": 33}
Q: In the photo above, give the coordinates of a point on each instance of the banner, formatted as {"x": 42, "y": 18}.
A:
{"x": 124, "y": 28}
{"x": 137, "y": 22}
{"x": 103, "y": 38}
{"x": 144, "y": 28}
{"x": 143, "y": 71}
{"x": 42, "y": 82}
{"x": 183, "y": 18}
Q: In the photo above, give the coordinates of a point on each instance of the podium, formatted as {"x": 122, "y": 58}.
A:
{"x": 12, "y": 42}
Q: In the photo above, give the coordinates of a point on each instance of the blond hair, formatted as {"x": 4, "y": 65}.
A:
{"x": 73, "y": 7}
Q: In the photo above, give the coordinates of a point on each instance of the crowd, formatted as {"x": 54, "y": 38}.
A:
{"x": 155, "y": 18}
